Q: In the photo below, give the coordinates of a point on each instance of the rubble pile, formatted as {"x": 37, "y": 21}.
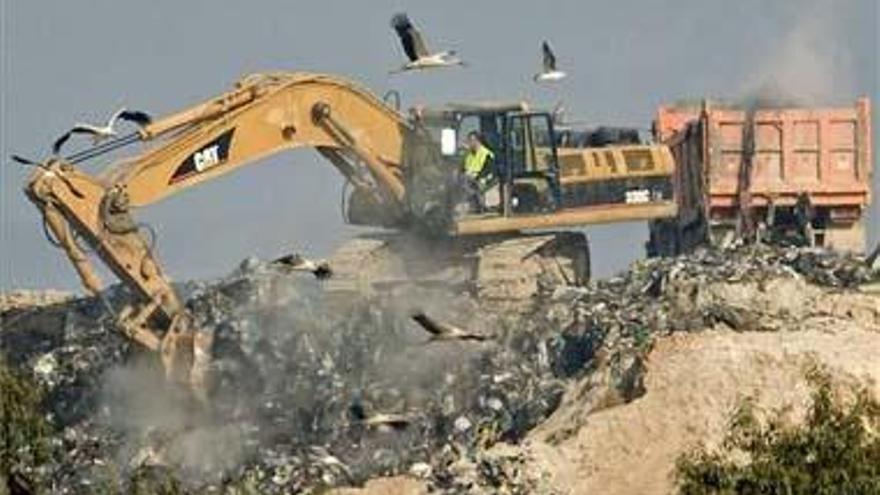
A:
{"x": 311, "y": 391}
{"x": 297, "y": 382}
{"x": 31, "y": 298}
{"x": 745, "y": 288}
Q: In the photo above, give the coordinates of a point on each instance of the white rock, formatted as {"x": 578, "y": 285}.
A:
{"x": 420, "y": 470}
{"x": 44, "y": 367}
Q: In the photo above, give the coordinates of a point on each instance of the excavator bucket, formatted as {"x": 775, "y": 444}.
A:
{"x": 186, "y": 355}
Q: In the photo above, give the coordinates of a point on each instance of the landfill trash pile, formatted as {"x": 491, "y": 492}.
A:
{"x": 308, "y": 392}
{"x": 744, "y": 288}
{"x": 302, "y": 390}
{"x": 31, "y": 298}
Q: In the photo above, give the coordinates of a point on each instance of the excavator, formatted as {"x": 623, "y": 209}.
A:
{"x": 403, "y": 170}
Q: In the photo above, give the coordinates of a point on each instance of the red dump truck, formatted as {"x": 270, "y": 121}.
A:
{"x": 797, "y": 174}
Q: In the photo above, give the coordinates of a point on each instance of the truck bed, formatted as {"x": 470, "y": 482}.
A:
{"x": 731, "y": 160}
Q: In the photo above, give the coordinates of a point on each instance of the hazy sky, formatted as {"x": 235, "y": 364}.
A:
{"x": 64, "y": 61}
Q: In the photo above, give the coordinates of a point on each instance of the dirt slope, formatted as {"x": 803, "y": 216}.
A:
{"x": 693, "y": 382}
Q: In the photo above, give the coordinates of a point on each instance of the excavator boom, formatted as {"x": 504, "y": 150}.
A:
{"x": 263, "y": 115}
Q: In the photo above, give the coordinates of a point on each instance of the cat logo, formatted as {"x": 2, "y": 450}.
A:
{"x": 211, "y": 155}
{"x": 206, "y": 158}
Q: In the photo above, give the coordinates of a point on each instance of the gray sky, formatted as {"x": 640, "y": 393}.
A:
{"x": 64, "y": 61}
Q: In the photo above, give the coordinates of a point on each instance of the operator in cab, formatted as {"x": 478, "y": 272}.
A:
{"x": 478, "y": 167}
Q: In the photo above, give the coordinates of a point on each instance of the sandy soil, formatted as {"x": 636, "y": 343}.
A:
{"x": 693, "y": 382}
{"x": 398, "y": 485}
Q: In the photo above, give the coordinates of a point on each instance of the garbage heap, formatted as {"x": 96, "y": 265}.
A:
{"x": 301, "y": 381}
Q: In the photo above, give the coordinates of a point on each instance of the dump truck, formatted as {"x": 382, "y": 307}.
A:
{"x": 786, "y": 173}
{"x": 404, "y": 173}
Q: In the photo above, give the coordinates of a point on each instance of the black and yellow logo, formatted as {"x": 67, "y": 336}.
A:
{"x": 207, "y": 157}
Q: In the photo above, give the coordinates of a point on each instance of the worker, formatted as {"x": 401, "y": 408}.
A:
{"x": 478, "y": 167}
{"x": 478, "y": 159}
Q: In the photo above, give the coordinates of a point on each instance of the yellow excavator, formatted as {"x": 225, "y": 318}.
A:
{"x": 404, "y": 170}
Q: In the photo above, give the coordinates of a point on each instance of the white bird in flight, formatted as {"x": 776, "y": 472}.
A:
{"x": 296, "y": 262}
{"x": 100, "y": 133}
{"x": 416, "y": 50}
{"x": 549, "y": 72}
{"x": 444, "y": 331}
{"x": 380, "y": 421}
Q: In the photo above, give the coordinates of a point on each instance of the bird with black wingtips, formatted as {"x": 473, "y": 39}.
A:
{"x": 380, "y": 421}
{"x": 549, "y": 72}
{"x": 416, "y": 50}
{"x": 444, "y": 331}
{"x": 25, "y": 161}
{"x": 296, "y": 262}
{"x": 45, "y": 166}
{"x": 100, "y": 133}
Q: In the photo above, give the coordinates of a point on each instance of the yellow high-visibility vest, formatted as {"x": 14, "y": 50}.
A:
{"x": 475, "y": 161}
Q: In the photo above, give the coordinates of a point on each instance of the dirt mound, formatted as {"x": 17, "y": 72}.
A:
{"x": 628, "y": 370}
{"x": 400, "y": 485}
{"x": 692, "y": 382}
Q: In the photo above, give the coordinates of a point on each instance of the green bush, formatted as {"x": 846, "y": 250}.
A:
{"x": 23, "y": 429}
{"x": 835, "y": 451}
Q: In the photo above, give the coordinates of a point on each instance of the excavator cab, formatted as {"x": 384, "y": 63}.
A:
{"x": 530, "y": 168}
{"x": 525, "y": 175}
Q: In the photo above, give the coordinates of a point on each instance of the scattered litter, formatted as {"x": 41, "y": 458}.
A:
{"x": 290, "y": 364}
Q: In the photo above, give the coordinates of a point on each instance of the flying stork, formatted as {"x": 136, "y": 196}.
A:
{"x": 100, "y": 133}
{"x": 416, "y": 50}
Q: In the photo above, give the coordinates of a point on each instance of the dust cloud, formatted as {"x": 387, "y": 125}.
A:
{"x": 161, "y": 424}
{"x": 290, "y": 363}
{"x": 810, "y": 66}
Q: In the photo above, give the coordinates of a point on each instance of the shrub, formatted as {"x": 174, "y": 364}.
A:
{"x": 835, "y": 451}
{"x": 23, "y": 429}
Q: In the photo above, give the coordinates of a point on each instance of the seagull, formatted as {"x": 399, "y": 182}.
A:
{"x": 444, "y": 331}
{"x": 101, "y": 133}
{"x": 549, "y": 74}
{"x": 296, "y": 262}
{"x": 381, "y": 421}
{"x": 416, "y": 50}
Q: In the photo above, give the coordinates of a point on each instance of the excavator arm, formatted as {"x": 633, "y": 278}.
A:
{"x": 263, "y": 115}
{"x": 266, "y": 114}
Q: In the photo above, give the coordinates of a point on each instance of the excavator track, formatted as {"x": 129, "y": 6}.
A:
{"x": 500, "y": 272}
{"x": 512, "y": 272}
